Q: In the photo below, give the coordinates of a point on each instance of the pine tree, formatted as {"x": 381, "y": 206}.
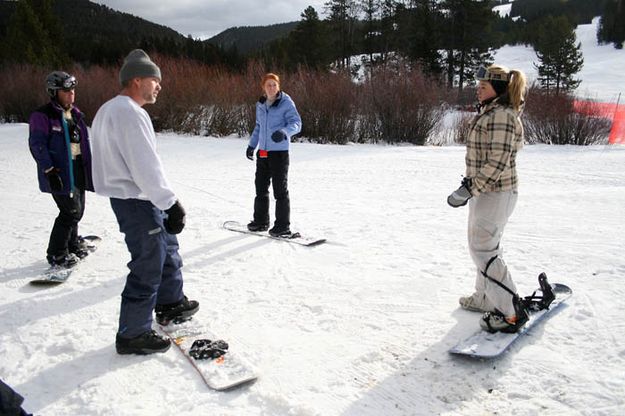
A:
{"x": 424, "y": 37}
{"x": 342, "y": 16}
{"x": 612, "y": 24}
{"x": 308, "y": 41}
{"x": 467, "y": 39}
{"x": 388, "y": 27}
{"x": 560, "y": 58}
{"x": 34, "y": 38}
{"x": 370, "y": 9}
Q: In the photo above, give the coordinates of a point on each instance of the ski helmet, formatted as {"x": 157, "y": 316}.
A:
{"x": 59, "y": 80}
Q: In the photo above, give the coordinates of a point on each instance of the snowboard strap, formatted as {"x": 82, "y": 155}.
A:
{"x": 531, "y": 302}
{"x": 501, "y": 285}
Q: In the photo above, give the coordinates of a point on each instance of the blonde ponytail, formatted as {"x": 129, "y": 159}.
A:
{"x": 516, "y": 88}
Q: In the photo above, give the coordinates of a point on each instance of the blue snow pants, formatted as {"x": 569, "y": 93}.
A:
{"x": 155, "y": 267}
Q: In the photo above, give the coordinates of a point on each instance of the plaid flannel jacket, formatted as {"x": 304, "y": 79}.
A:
{"x": 495, "y": 137}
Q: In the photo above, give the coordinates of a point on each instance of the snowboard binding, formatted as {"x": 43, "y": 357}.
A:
{"x": 205, "y": 349}
{"x": 538, "y": 303}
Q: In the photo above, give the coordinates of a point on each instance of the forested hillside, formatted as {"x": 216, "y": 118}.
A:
{"x": 64, "y": 31}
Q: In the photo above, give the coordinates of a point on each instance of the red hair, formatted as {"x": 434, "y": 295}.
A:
{"x": 269, "y": 76}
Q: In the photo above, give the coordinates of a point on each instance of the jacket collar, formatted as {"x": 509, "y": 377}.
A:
{"x": 502, "y": 101}
{"x": 55, "y": 106}
{"x": 263, "y": 99}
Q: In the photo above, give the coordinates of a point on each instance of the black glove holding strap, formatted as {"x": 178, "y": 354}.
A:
{"x": 54, "y": 180}
{"x": 176, "y": 217}
{"x": 249, "y": 152}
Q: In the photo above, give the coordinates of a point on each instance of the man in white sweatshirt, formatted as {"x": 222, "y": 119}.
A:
{"x": 127, "y": 169}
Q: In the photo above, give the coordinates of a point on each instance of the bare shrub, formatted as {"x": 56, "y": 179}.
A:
{"x": 455, "y": 128}
{"x": 22, "y": 92}
{"x": 326, "y": 103}
{"x": 553, "y": 119}
{"x": 250, "y": 91}
{"x": 27, "y": 90}
{"x": 463, "y": 126}
{"x": 208, "y": 101}
{"x": 96, "y": 85}
{"x": 184, "y": 87}
{"x": 400, "y": 106}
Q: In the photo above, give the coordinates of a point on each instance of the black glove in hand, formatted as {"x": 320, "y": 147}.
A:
{"x": 249, "y": 153}
{"x": 278, "y": 135}
{"x": 176, "y": 216}
{"x": 461, "y": 196}
{"x": 54, "y": 180}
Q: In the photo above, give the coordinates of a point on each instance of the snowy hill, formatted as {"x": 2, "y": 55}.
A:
{"x": 359, "y": 326}
{"x": 602, "y": 74}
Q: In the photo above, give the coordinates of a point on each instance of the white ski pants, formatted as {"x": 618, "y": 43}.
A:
{"x": 488, "y": 216}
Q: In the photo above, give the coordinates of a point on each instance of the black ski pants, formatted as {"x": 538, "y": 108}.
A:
{"x": 64, "y": 235}
{"x": 273, "y": 169}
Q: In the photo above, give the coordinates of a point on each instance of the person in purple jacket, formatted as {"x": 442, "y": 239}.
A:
{"x": 277, "y": 120}
{"x": 59, "y": 143}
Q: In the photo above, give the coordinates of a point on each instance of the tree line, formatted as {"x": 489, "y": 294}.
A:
{"x": 421, "y": 53}
{"x": 447, "y": 39}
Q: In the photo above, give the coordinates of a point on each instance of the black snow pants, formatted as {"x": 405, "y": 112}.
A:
{"x": 272, "y": 169}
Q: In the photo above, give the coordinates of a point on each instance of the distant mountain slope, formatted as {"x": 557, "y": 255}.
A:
{"x": 247, "y": 39}
{"x": 98, "y": 34}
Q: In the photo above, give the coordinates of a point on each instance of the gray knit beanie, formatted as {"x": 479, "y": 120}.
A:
{"x": 138, "y": 65}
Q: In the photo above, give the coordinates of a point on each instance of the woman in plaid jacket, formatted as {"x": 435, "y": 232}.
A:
{"x": 490, "y": 187}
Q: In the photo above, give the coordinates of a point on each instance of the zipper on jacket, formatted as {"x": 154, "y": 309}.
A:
{"x": 69, "y": 155}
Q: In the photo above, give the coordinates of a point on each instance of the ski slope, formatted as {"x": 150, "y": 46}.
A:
{"x": 601, "y": 75}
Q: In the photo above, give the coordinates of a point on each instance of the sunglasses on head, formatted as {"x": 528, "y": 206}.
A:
{"x": 482, "y": 74}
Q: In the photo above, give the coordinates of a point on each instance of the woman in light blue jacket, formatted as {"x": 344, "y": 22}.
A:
{"x": 277, "y": 120}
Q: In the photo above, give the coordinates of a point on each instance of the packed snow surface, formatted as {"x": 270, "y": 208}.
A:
{"x": 359, "y": 326}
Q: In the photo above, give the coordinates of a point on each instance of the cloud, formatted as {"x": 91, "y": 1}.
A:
{"x": 203, "y": 19}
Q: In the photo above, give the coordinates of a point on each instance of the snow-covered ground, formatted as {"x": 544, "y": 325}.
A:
{"x": 359, "y": 326}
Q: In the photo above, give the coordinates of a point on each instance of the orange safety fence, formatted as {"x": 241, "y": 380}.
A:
{"x": 611, "y": 111}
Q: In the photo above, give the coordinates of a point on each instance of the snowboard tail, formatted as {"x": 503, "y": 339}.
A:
{"x": 483, "y": 344}
{"x": 219, "y": 366}
{"x": 295, "y": 238}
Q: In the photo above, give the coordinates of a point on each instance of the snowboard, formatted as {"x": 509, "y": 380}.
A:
{"x": 484, "y": 344}
{"x": 55, "y": 275}
{"x": 295, "y": 238}
{"x": 224, "y": 372}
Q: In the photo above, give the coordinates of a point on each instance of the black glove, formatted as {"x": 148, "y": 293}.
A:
{"x": 54, "y": 180}
{"x": 461, "y": 196}
{"x": 176, "y": 216}
{"x": 249, "y": 152}
{"x": 278, "y": 135}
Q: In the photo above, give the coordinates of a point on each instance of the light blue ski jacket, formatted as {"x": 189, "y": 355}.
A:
{"x": 281, "y": 115}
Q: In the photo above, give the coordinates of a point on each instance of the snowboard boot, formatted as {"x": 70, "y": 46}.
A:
{"x": 477, "y": 302}
{"x": 176, "y": 312}
{"x": 147, "y": 343}
{"x": 497, "y": 322}
{"x": 81, "y": 253}
{"x": 82, "y": 247}
{"x": 280, "y": 231}
{"x": 65, "y": 261}
{"x": 257, "y": 226}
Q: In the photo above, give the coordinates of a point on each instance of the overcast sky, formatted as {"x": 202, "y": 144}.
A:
{"x": 205, "y": 18}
